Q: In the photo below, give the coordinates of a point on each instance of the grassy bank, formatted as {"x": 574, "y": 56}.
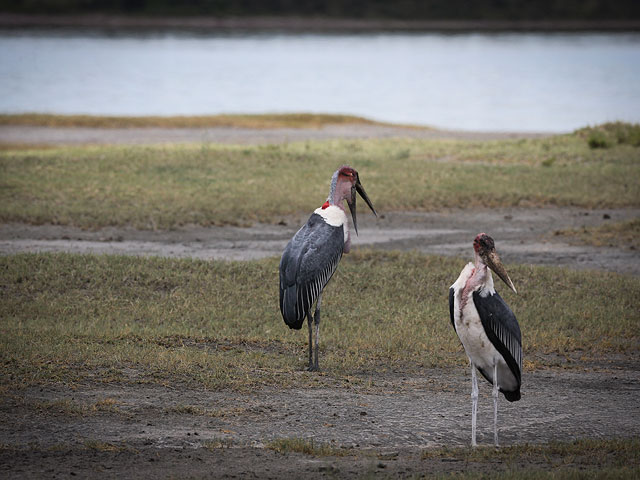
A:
{"x": 217, "y": 324}
{"x": 168, "y": 186}
{"x": 285, "y": 120}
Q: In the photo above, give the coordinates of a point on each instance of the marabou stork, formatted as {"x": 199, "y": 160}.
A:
{"x": 311, "y": 257}
{"x": 487, "y": 328}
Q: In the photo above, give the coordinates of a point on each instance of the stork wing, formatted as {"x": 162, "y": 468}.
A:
{"x": 307, "y": 264}
{"x": 502, "y": 329}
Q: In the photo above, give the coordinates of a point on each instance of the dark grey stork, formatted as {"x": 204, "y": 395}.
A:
{"x": 311, "y": 257}
{"x": 487, "y": 328}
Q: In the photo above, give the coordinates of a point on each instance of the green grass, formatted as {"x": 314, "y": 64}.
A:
{"x": 167, "y": 186}
{"x": 284, "y": 120}
{"x": 68, "y": 318}
{"x": 618, "y": 234}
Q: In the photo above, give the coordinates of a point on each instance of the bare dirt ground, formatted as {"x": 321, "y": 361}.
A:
{"x": 523, "y": 235}
{"x": 385, "y": 420}
{"x": 385, "y": 428}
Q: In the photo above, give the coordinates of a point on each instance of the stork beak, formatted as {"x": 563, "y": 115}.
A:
{"x": 494, "y": 263}
{"x": 352, "y": 203}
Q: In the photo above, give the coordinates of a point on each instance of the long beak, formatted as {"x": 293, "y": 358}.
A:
{"x": 352, "y": 204}
{"x": 494, "y": 263}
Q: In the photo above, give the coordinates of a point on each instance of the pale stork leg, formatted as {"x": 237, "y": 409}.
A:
{"x": 474, "y": 404}
{"x": 316, "y": 320}
{"x": 495, "y": 404}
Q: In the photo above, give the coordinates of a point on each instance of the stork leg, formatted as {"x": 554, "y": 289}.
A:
{"x": 310, "y": 367}
{"x": 316, "y": 320}
{"x": 495, "y": 404}
{"x": 474, "y": 404}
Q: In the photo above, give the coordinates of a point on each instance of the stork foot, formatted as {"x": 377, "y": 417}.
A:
{"x": 312, "y": 368}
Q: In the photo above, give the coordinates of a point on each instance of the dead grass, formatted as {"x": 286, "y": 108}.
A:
{"x": 206, "y": 412}
{"x": 70, "y": 407}
{"x": 307, "y": 447}
{"x": 101, "y": 446}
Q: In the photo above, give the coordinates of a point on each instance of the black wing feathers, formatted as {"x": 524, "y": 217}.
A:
{"x": 307, "y": 264}
{"x": 502, "y": 329}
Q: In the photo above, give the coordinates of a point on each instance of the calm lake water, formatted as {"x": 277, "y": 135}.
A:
{"x": 513, "y": 82}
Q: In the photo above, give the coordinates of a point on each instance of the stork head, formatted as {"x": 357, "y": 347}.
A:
{"x": 349, "y": 180}
{"x": 485, "y": 249}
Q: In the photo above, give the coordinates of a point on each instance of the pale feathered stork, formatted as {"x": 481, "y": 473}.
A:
{"x": 487, "y": 328}
{"x": 311, "y": 257}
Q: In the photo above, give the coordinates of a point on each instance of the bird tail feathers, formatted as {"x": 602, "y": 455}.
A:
{"x": 512, "y": 396}
{"x": 290, "y": 314}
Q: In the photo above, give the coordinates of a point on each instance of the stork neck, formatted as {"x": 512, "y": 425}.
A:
{"x": 481, "y": 271}
{"x": 480, "y": 277}
{"x": 476, "y": 279}
{"x": 338, "y": 191}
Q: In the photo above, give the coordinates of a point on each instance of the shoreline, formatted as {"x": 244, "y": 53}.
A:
{"x": 304, "y": 24}
{"x": 43, "y": 135}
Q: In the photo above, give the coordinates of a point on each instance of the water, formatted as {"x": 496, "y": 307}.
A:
{"x": 511, "y": 82}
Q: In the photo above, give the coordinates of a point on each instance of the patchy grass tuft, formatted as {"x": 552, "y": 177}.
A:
{"x": 101, "y": 446}
{"x": 307, "y": 447}
{"x": 73, "y": 408}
